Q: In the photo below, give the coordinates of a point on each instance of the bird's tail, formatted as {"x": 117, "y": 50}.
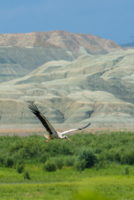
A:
{"x": 33, "y": 108}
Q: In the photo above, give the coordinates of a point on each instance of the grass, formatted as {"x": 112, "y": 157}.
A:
{"x": 38, "y": 191}
{"x": 112, "y": 176}
{"x": 67, "y": 183}
{"x": 115, "y": 187}
{"x": 9, "y": 175}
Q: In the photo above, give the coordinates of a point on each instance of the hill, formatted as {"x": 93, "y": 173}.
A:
{"x": 17, "y": 62}
{"x": 63, "y": 39}
{"x": 91, "y": 88}
{"x": 21, "y": 53}
{"x": 131, "y": 44}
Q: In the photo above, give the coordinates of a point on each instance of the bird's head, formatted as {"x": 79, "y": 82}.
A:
{"x": 67, "y": 138}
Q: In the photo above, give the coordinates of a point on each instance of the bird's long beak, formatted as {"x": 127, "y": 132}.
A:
{"x": 68, "y": 139}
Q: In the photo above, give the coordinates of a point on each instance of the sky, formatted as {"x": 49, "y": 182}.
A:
{"x": 108, "y": 19}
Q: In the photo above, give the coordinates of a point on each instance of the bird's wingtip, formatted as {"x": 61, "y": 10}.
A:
{"x": 84, "y": 127}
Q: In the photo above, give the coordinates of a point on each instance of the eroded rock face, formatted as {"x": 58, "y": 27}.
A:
{"x": 75, "y": 43}
{"x": 16, "y": 62}
{"x": 20, "y": 54}
{"x": 92, "y": 88}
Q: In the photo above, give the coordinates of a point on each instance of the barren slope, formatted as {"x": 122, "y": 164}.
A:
{"x": 16, "y": 62}
{"x": 92, "y": 88}
{"x": 63, "y": 39}
{"x": 21, "y": 53}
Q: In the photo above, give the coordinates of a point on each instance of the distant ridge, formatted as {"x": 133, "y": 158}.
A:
{"x": 63, "y": 39}
{"x": 22, "y": 53}
{"x": 128, "y": 44}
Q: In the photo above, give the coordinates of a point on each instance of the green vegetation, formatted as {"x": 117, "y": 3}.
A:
{"x": 26, "y": 175}
{"x": 88, "y": 156}
{"x": 50, "y": 166}
{"x": 80, "y": 165}
{"x": 20, "y": 168}
{"x": 59, "y": 162}
{"x": 103, "y": 148}
{"x": 103, "y": 163}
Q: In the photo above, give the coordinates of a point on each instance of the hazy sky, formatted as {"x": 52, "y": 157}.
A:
{"x": 109, "y": 19}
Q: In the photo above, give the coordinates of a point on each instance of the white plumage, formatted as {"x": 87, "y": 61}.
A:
{"x": 52, "y": 132}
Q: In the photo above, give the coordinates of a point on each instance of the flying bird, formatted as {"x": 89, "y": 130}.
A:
{"x": 52, "y": 132}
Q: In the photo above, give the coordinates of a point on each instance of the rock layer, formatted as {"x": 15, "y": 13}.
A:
{"x": 21, "y": 53}
{"x": 91, "y": 88}
{"x": 73, "y": 42}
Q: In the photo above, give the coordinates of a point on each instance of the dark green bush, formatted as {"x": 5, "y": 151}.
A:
{"x": 65, "y": 148}
{"x": 20, "y": 168}
{"x": 43, "y": 157}
{"x": 15, "y": 146}
{"x": 89, "y": 157}
{"x": 1, "y": 160}
{"x": 108, "y": 145}
{"x": 49, "y": 166}
{"x": 69, "y": 161}
{"x": 126, "y": 170}
{"x": 127, "y": 157}
{"x": 98, "y": 150}
{"x": 106, "y": 155}
{"x": 59, "y": 162}
{"x": 80, "y": 165}
{"x": 112, "y": 147}
{"x": 9, "y": 162}
{"x": 26, "y": 175}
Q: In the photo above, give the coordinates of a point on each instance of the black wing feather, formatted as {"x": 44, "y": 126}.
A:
{"x": 84, "y": 127}
{"x": 43, "y": 119}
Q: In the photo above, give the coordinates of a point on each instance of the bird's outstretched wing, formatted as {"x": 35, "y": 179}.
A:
{"x": 43, "y": 119}
{"x": 75, "y": 129}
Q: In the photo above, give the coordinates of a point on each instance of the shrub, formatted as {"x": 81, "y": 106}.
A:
{"x": 16, "y": 145}
{"x": 89, "y": 157}
{"x": 127, "y": 157}
{"x": 59, "y": 162}
{"x": 49, "y": 166}
{"x": 66, "y": 148}
{"x": 26, "y": 175}
{"x": 44, "y": 157}
{"x": 20, "y": 168}
{"x": 80, "y": 165}
{"x": 117, "y": 157}
{"x": 1, "y": 160}
{"x": 9, "y": 162}
{"x": 126, "y": 171}
{"x": 109, "y": 155}
{"x": 98, "y": 150}
{"x": 101, "y": 165}
{"x": 69, "y": 161}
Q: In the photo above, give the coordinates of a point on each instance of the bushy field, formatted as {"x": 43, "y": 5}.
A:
{"x": 102, "y": 163}
{"x": 101, "y": 149}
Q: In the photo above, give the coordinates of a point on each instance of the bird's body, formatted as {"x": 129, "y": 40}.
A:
{"x": 52, "y": 132}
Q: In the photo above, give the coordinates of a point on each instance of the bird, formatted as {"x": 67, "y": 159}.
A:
{"x": 52, "y": 132}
